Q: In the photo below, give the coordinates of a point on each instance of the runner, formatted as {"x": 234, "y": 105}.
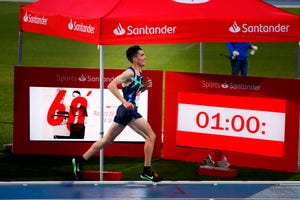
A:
{"x": 131, "y": 81}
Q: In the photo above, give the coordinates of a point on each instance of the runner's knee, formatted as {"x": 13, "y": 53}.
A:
{"x": 100, "y": 144}
{"x": 151, "y": 138}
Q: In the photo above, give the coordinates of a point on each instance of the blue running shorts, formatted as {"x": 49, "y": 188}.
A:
{"x": 125, "y": 116}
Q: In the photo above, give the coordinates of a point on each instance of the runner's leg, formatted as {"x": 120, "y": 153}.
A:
{"x": 142, "y": 127}
{"x": 114, "y": 130}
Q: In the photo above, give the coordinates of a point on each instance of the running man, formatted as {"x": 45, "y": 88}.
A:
{"x": 131, "y": 81}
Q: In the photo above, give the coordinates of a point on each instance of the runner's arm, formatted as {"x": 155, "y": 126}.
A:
{"x": 123, "y": 79}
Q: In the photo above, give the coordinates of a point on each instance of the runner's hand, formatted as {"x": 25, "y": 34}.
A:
{"x": 128, "y": 105}
{"x": 148, "y": 83}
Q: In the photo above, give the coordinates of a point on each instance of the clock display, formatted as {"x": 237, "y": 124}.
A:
{"x": 231, "y": 122}
{"x": 254, "y": 121}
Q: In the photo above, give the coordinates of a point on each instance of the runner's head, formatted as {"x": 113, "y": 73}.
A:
{"x": 132, "y": 52}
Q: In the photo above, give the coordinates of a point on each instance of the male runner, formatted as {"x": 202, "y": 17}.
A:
{"x": 131, "y": 81}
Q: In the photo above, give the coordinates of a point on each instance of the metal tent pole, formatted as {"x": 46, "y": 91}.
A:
{"x": 298, "y": 60}
{"x": 299, "y": 113}
{"x": 101, "y": 51}
{"x": 20, "y": 48}
{"x": 201, "y": 57}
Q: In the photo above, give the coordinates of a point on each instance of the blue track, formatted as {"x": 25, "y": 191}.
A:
{"x": 140, "y": 190}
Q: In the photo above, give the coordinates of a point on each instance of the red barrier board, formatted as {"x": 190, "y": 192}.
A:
{"x": 254, "y": 121}
{"x": 56, "y": 111}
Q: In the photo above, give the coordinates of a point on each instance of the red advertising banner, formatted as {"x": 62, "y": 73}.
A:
{"x": 57, "y": 112}
{"x": 254, "y": 121}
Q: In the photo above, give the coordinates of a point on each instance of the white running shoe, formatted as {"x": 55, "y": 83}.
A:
{"x": 208, "y": 161}
{"x": 223, "y": 162}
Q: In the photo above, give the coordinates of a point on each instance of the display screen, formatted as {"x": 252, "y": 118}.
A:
{"x": 60, "y": 114}
{"x": 233, "y": 123}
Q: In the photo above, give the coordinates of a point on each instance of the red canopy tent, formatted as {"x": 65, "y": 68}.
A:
{"x": 155, "y": 21}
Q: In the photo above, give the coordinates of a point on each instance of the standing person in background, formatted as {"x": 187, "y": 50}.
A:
{"x": 131, "y": 81}
{"x": 239, "y": 56}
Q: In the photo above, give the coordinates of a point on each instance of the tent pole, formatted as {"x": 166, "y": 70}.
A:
{"x": 101, "y": 56}
{"x": 20, "y": 48}
{"x": 201, "y": 57}
{"x": 298, "y": 60}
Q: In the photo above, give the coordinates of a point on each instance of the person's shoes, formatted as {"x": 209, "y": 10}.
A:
{"x": 223, "y": 162}
{"x": 77, "y": 168}
{"x": 208, "y": 161}
{"x": 151, "y": 177}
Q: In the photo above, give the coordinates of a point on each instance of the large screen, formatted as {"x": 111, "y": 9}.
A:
{"x": 72, "y": 114}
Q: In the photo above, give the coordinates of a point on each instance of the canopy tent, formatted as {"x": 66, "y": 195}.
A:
{"x": 112, "y": 22}
{"x": 155, "y": 21}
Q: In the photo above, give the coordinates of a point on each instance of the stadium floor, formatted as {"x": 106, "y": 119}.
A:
{"x": 141, "y": 189}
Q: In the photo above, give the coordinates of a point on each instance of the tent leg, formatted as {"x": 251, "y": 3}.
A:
{"x": 298, "y": 60}
{"x": 201, "y": 57}
{"x": 101, "y": 56}
{"x": 20, "y": 48}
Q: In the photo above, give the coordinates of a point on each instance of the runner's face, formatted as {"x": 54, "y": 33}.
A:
{"x": 141, "y": 58}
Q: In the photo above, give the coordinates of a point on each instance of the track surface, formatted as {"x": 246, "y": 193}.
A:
{"x": 141, "y": 189}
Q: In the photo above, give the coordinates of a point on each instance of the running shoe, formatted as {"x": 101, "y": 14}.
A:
{"x": 223, "y": 162}
{"x": 152, "y": 177}
{"x": 77, "y": 168}
{"x": 208, "y": 161}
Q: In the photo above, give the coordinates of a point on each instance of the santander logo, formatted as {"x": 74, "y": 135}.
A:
{"x": 234, "y": 28}
{"x": 82, "y": 78}
{"x": 119, "y": 30}
{"x": 81, "y": 27}
{"x": 165, "y": 29}
{"x": 259, "y": 28}
{"x": 191, "y": 1}
{"x": 34, "y": 19}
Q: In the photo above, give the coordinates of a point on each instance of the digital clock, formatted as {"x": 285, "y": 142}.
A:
{"x": 233, "y": 123}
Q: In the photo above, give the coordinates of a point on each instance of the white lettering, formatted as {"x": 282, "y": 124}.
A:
{"x": 265, "y": 28}
{"x": 244, "y": 87}
{"x": 164, "y": 30}
{"x": 93, "y": 79}
{"x": 84, "y": 28}
{"x": 65, "y": 78}
{"x": 232, "y": 86}
{"x": 35, "y": 19}
{"x": 208, "y": 84}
